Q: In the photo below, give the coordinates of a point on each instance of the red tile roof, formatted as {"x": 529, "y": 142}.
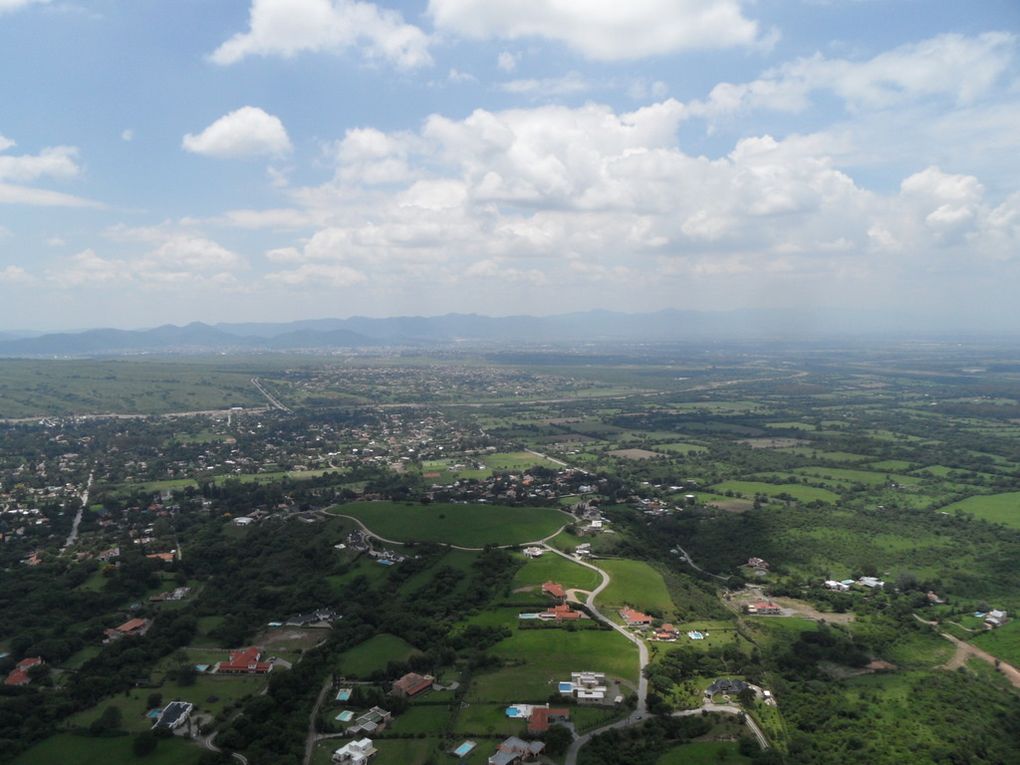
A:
{"x": 555, "y": 589}
{"x": 634, "y": 617}
{"x": 412, "y": 684}
{"x": 539, "y": 720}
{"x": 19, "y": 675}
{"x": 133, "y": 625}
{"x": 245, "y": 660}
{"x": 563, "y": 612}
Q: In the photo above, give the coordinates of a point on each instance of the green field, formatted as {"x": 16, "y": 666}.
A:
{"x": 1003, "y": 642}
{"x": 552, "y": 567}
{"x": 516, "y": 461}
{"x": 68, "y": 749}
{"x": 795, "y": 490}
{"x": 704, "y": 753}
{"x": 539, "y": 658}
{"x": 637, "y": 584}
{"x": 472, "y": 525}
{"x": 681, "y": 448}
{"x": 997, "y": 508}
{"x": 373, "y": 655}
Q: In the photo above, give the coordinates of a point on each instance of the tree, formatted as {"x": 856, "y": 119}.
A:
{"x": 145, "y": 743}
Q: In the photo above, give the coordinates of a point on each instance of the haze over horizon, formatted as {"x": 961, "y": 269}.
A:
{"x": 272, "y": 160}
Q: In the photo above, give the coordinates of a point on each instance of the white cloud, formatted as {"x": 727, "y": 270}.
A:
{"x": 87, "y": 268}
{"x": 246, "y": 132}
{"x": 603, "y": 29}
{"x": 569, "y": 84}
{"x": 7, "y": 6}
{"x": 52, "y": 162}
{"x": 24, "y": 195}
{"x": 15, "y": 275}
{"x": 507, "y": 61}
{"x": 458, "y": 76}
{"x": 127, "y": 135}
{"x": 289, "y": 27}
{"x": 331, "y": 275}
{"x": 955, "y": 66}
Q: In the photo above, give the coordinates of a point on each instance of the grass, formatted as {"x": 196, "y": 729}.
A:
{"x": 552, "y": 567}
{"x": 1003, "y": 642}
{"x": 997, "y": 508}
{"x": 637, "y": 584}
{"x": 472, "y": 525}
{"x": 537, "y": 660}
{"x": 516, "y": 461}
{"x": 704, "y": 753}
{"x": 373, "y": 655}
{"x": 795, "y": 490}
{"x": 85, "y": 750}
{"x": 681, "y": 448}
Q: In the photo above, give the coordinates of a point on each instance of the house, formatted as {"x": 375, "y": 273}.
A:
{"x": 19, "y": 675}
{"x": 729, "y": 687}
{"x": 355, "y": 752}
{"x": 554, "y": 590}
{"x": 995, "y": 618}
{"x": 758, "y": 564}
{"x": 586, "y": 687}
{"x": 412, "y": 684}
{"x": 173, "y": 715}
{"x": 243, "y": 520}
{"x": 871, "y": 582}
{"x": 374, "y": 720}
{"x": 542, "y": 717}
{"x": 635, "y": 618}
{"x": 108, "y": 555}
{"x": 764, "y": 607}
{"x": 321, "y": 617}
{"x": 163, "y": 557}
{"x": 245, "y": 661}
{"x": 514, "y": 750}
{"x": 130, "y": 628}
{"x": 561, "y": 612}
{"x": 533, "y": 552}
{"x": 832, "y": 584}
{"x": 666, "y": 632}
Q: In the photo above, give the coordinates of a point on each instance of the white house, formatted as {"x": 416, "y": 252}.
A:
{"x": 355, "y": 753}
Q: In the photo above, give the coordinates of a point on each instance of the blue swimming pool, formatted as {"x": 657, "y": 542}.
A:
{"x": 465, "y": 749}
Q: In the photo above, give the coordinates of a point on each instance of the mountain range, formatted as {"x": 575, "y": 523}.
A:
{"x": 459, "y": 329}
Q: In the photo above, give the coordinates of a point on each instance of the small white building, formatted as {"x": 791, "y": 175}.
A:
{"x": 995, "y": 618}
{"x": 355, "y": 753}
{"x": 533, "y": 552}
{"x": 871, "y": 582}
{"x": 832, "y": 584}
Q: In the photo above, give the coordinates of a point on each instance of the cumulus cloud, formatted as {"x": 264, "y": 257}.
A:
{"x": 566, "y": 196}
{"x": 956, "y": 66}
{"x": 246, "y": 132}
{"x": 7, "y": 6}
{"x": 15, "y": 275}
{"x": 569, "y": 84}
{"x": 286, "y": 28}
{"x": 601, "y": 29}
{"x": 55, "y": 162}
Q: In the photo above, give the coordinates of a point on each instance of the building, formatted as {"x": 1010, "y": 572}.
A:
{"x": 554, "y": 590}
{"x": 130, "y": 628}
{"x": 533, "y": 552}
{"x": 995, "y": 618}
{"x": 667, "y": 632}
{"x": 726, "y": 686}
{"x": 635, "y": 618}
{"x": 561, "y": 612}
{"x": 758, "y": 564}
{"x": 412, "y": 684}
{"x": 321, "y": 617}
{"x": 355, "y": 752}
{"x": 542, "y": 717}
{"x": 764, "y": 607}
{"x": 586, "y": 687}
{"x": 514, "y": 750}
{"x": 871, "y": 582}
{"x": 832, "y": 584}
{"x": 244, "y": 661}
{"x": 373, "y": 721}
{"x": 173, "y": 715}
{"x": 19, "y": 675}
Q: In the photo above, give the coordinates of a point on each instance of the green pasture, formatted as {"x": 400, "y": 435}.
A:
{"x": 997, "y": 508}
{"x": 635, "y": 583}
{"x": 555, "y": 568}
{"x": 797, "y": 491}
{"x": 1003, "y": 642}
{"x": 68, "y": 749}
{"x": 373, "y": 655}
{"x": 704, "y": 753}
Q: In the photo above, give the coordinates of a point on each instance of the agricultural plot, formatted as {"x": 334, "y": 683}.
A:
{"x": 517, "y": 461}
{"x": 997, "y": 508}
{"x": 867, "y": 477}
{"x": 797, "y": 491}
{"x": 373, "y": 655}
{"x": 1003, "y": 642}
{"x": 474, "y": 525}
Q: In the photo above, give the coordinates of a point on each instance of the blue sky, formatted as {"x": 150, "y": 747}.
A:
{"x": 280, "y": 159}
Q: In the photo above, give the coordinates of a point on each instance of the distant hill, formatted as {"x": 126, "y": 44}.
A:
{"x": 363, "y": 332}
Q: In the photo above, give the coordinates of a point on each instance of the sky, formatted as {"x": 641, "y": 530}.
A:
{"x": 169, "y": 161}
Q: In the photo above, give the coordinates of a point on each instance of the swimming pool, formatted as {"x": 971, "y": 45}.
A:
{"x": 465, "y": 749}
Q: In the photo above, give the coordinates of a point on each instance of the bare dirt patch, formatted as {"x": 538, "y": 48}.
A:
{"x": 634, "y": 454}
{"x": 732, "y": 505}
{"x": 291, "y": 638}
{"x": 790, "y": 606}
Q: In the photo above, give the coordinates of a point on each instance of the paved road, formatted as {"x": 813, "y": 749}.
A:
{"x": 685, "y": 557}
{"x": 273, "y": 400}
{"x": 114, "y": 416}
{"x": 373, "y": 535}
{"x": 73, "y": 536}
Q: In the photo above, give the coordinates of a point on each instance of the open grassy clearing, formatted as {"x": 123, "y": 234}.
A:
{"x": 797, "y": 491}
{"x": 820, "y": 454}
{"x": 857, "y": 476}
{"x": 373, "y": 655}
{"x": 516, "y": 461}
{"x": 69, "y": 749}
{"x": 637, "y": 584}
{"x": 1003, "y": 642}
{"x": 552, "y": 567}
{"x": 540, "y": 658}
{"x": 681, "y": 448}
{"x": 176, "y": 484}
{"x": 997, "y": 508}
{"x": 474, "y": 525}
